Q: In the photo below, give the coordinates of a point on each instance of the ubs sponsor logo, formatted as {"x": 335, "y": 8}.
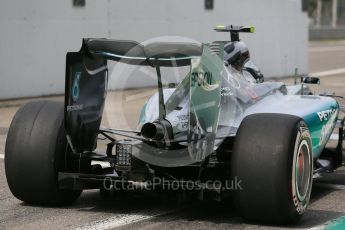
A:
{"x": 225, "y": 91}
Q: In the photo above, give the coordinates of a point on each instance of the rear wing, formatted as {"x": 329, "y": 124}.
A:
{"x": 87, "y": 76}
{"x": 152, "y": 54}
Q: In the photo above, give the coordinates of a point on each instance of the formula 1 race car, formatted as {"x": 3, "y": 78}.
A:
{"x": 222, "y": 123}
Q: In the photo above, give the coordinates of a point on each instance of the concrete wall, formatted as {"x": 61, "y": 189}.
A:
{"x": 36, "y": 34}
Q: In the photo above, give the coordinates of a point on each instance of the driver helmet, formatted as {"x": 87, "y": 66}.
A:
{"x": 236, "y": 54}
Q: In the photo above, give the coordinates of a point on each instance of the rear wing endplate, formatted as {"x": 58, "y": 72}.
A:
{"x": 85, "y": 91}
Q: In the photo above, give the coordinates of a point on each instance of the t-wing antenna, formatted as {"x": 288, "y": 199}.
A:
{"x": 235, "y": 30}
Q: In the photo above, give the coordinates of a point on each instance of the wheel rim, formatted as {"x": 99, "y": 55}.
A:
{"x": 302, "y": 171}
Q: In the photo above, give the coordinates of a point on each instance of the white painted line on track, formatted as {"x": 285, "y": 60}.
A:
{"x": 2, "y": 156}
{"x": 115, "y": 221}
{"x": 123, "y": 219}
{"x": 328, "y": 72}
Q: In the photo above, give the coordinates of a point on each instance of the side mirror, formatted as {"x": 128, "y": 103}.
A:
{"x": 255, "y": 72}
{"x": 310, "y": 80}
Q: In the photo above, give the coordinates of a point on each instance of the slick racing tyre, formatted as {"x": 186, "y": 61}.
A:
{"x": 272, "y": 157}
{"x": 35, "y": 153}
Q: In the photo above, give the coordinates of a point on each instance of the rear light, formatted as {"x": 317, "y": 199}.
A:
{"x": 123, "y": 154}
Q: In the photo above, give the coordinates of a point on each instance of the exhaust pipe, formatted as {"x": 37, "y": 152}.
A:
{"x": 153, "y": 131}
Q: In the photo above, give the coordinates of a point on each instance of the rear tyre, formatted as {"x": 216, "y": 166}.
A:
{"x": 272, "y": 157}
{"x": 35, "y": 153}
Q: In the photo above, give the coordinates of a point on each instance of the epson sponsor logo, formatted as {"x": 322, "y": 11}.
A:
{"x": 325, "y": 114}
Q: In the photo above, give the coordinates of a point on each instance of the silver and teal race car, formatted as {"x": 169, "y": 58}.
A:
{"x": 221, "y": 129}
